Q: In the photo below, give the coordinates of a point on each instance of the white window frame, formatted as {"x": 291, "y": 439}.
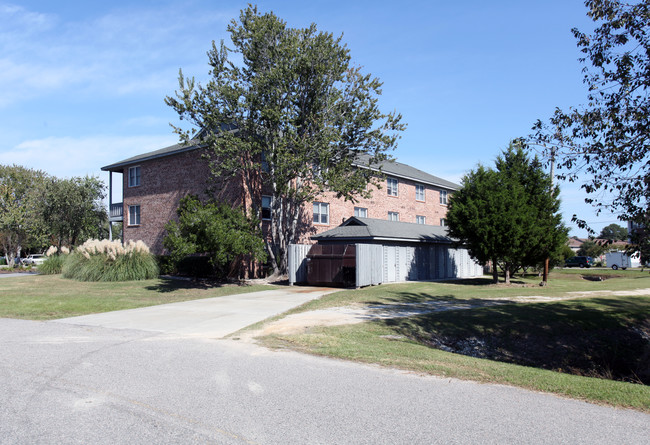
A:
{"x": 393, "y": 216}
{"x": 134, "y": 180}
{"x": 420, "y": 193}
{"x": 134, "y": 215}
{"x": 392, "y": 186}
{"x": 443, "y": 222}
{"x": 419, "y": 219}
{"x": 321, "y": 213}
{"x": 361, "y": 212}
{"x": 263, "y": 208}
{"x": 443, "y": 197}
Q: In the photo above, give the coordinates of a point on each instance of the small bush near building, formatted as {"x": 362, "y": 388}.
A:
{"x": 111, "y": 261}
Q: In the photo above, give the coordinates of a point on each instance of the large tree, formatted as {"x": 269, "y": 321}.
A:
{"x": 606, "y": 142}
{"x": 613, "y": 232}
{"x": 21, "y": 225}
{"x": 73, "y": 210}
{"x": 508, "y": 215}
{"x": 287, "y": 115}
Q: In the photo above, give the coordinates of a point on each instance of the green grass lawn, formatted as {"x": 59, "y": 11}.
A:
{"x": 524, "y": 345}
{"x": 46, "y": 297}
{"x": 560, "y": 282}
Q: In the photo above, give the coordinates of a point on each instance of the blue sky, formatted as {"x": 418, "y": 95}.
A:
{"x": 82, "y": 84}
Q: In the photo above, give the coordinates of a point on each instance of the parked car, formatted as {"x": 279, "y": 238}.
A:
{"x": 34, "y": 260}
{"x": 579, "y": 261}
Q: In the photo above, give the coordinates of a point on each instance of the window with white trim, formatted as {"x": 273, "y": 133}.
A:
{"x": 419, "y": 192}
{"x": 393, "y": 216}
{"x": 443, "y": 221}
{"x": 321, "y": 213}
{"x": 419, "y": 219}
{"x": 391, "y": 186}
{"x": 134, "y": 215}
{"x": 266, "y": 207}
{"x": 134, "y": 176}
{"x": 360, "y": 212}
{"x": 443, "y": 197}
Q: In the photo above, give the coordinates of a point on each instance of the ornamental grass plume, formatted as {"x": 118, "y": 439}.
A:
{"x": 104, "y": 260}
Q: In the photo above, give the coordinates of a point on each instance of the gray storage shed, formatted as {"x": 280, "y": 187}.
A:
{"x": 391, "y": 251}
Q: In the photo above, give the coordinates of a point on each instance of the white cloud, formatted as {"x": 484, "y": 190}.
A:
{"x": 120, "y": 52}
{"x": 68, "y": 156}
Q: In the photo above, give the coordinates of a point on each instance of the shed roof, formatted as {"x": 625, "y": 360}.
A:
{"x": 357, "y": 229}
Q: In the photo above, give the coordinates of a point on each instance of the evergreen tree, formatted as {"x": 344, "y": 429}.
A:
{"x": 509, "y": 215}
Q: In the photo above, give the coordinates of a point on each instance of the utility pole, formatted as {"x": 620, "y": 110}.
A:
{"x": 547, "y": 260}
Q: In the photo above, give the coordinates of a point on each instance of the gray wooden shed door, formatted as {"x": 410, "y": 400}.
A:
{"x": 390, "y": 263}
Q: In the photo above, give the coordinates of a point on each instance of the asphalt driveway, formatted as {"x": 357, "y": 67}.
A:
{"x": 209, "y": 317}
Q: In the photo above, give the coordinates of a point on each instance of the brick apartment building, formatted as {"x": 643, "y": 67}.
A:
{"x": 153, "y": 184}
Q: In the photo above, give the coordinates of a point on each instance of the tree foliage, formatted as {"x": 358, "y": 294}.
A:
{"x": 288, "y": 121}
{"x": 613, "y": 232}
{"x": 508, "y": 215}
{"x": 591, "y": 248}
{"x": 607, "y": 140}
{"x": 73, "y": 210}
{"x": 20, "y": 223}
{"x": 37, "y": 209}
{"x": 222, "y": 233}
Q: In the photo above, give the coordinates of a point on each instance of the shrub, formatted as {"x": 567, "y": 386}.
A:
{"x": 52, "y": 265}
{"x": 110, "y": 261}
{"x": 3, "y": 261}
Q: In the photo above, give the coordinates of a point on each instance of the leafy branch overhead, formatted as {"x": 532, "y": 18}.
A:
{"x": 607, "y": 141}
{"x": 285, "y": 111}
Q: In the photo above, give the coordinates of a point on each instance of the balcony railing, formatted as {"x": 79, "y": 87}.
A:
{"x": 117, "y": 212}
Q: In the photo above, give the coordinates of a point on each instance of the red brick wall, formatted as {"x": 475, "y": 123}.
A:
{"x": 381, "y": 203}
{"x": 163, "y": 182}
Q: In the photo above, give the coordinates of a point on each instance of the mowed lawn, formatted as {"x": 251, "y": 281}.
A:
{"x": 46, "y": 297}
{"x": 573, "y": 348}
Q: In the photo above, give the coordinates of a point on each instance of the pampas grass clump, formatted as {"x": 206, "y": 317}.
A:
{"x": 105, "y": 260}
{"x": 53, "y": 264}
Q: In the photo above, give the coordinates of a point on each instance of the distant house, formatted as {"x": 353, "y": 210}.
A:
{"x": 153, "y": 184}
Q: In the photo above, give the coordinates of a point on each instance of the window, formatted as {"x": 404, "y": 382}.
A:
{"x": 443, "y": 197}
{"x": 421, "y": 219}
{"x": 391, "y": 186}
{"x": 443, "y": 221}
{"x": 393, "y": 216}
{"x": 419, "y": 192}
{"x": 360, "y": 212}
{"x": 134, "y": 176}
{"x": 321, "y": 213}
{"x": 134, "y": 215}
{"x": 266, "y": 207}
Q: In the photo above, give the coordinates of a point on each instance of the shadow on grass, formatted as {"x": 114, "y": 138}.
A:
{"x": 599, "y": 337}
{"x": 174, "y": 284}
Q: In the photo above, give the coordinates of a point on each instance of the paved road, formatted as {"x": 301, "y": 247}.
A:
{"x": 62, "y": 383}
{"x": 208, "y": 317}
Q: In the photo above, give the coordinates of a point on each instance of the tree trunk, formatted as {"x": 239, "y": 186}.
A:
{"x": 506, "y": 273}
{"x": 495, "y": 272}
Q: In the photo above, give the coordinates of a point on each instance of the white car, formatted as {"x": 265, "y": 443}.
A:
{"x": 34, "y": 260}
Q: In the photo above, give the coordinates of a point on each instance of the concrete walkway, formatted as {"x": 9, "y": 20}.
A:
{"x": 209, "y": 317}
